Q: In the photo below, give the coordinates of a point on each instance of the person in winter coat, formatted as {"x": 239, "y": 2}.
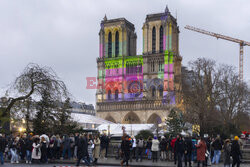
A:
{"x": 28, "y": 148}
{"x": 188, "y": 147}
{"x": 148, "y": 148}
{"x": 125, "y": 148}
{"x": 44, "y": 151}
{"x": 139, "y": 146}
{"x": 179, "y": 149}
{"x": 133, "y": 148}
{"x": 90, "y": 148}
{"x": 104, "y": 144}
{"x": 201, "y": 151}
{"x": 163, "y": 148}
{"x": 14, "y": 150}
{"x": 227, "y": 152}
{"x": 82, "y": 150}
{"x": 172, "y": 143}
{"x": 3, "y": 143}
{"x": 96, "y": 151}
{"x": 57, "y": 147}
{"x": 155, "y": 148}
{"x": 217, "y": 145}
{"x": 235, "y": 152}
{"x": 22, "y": 146}
{"x": 66, "y": 146}
{"x": 36, "y": 151}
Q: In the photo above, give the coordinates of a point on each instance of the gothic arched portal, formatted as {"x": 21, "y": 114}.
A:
{"x": 154, "y": 118}
{"x": 110, "y": 118}
{"x": 131, "y": 118}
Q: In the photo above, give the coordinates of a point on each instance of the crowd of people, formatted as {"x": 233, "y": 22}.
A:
{"x": 89, "y": 148}
{"x": 39, "y": 149}
{"x": 182, "y": 150}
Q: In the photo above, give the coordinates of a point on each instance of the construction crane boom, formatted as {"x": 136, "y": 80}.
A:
{"x": 219, "y": 36}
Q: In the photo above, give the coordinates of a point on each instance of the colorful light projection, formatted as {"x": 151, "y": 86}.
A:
{"x": 123, "y": 78}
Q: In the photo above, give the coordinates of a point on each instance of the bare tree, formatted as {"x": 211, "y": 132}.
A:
{"x": 34, "y": 81}
{"x": 212, "y": 95}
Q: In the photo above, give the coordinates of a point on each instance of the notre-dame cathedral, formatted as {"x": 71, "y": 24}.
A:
{"x": 138, "y": 88}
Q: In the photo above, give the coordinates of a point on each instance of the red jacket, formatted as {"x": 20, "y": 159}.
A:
{"x": 173, "y": 143}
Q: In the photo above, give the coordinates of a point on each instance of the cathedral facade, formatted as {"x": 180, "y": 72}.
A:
{"x": 138, "y": 88}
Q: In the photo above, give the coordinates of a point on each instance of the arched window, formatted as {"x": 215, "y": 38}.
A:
{"x": 109, "y": 45}
{"x": 161, "y": 39}
{"x": 153, "y": 40}
{"x": 116, "y": 44}
{"x": 116, "y": 94}
{"x": 153, "y": 91}
{"x": 160, "y": 89}
{"x": 109, "y": 95}
{"x": 129, "y": 45}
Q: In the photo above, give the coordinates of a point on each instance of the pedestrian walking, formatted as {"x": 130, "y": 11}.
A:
{"x": 28, "y": 148}
{"x": 125, "y": 149}
{"x": 139, "y": 146}
{"x": 104, "y": 144}
{"x": 44, "y": 150}
{"x": 3, "y": 144}
{"x": 235, "y": 152}
{"x": 36, "y": 151}
{"x": 179, "y": 149}
{"x": 148, "y": 148}
{"x": 66, "y": 146}
{"x": 133, "y": 148}
{"x": 188, "y": 147}
{"x": 14, "y": 150}
{"x": 173, "y": 149}
{"x": 217, "y": 145}
{"x": 227, "y": 152}
{"x": 90, "y": 148}
{"x": 201, "y": 151}
{"x": 82, "y": 150}
{"x": 163, "y": 148}
{"x": 96, "y": 152}
{"x": 155, "y": 148}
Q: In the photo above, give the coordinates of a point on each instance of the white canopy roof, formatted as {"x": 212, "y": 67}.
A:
{"x": 88, "y": 119}
{"x": 116, "y": 129}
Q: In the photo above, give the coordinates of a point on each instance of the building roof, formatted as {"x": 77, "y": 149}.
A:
{"x": 122, "y": 19}
{"x": 116, "y": 129}
{"x": 88, "y": 119}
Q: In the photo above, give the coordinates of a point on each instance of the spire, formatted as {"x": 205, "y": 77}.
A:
{"x": 105, "y": 18}
{"x": 166, "y": 9}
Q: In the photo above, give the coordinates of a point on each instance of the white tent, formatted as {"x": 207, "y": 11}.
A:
{"x": 89, "y": 121}
{"x": 131, "y": 129}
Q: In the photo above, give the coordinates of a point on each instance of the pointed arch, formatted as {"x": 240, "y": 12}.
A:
{"x": 160, "y": 91}
{"x": 153, "y": 91}
{"x": 116, "y": 43}
{"x": 110, "y": 118}
{"x": 154, "y": 119}
{"x": 131, "y": 118}
{"x": 109, "y": 95}
{"x": 110, "y": 45}
{"x": 153, "y": 40}
{"x": 116, "y": 94}
{"x": 161, "y": 39}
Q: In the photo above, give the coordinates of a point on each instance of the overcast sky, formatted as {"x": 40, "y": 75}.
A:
{"x": 63, "y": 34}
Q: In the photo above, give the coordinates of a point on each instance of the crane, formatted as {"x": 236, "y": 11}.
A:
{"x": 219, "y": 36}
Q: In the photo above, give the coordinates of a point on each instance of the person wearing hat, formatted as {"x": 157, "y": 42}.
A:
{"x": 235, "y": 152}
{"x": 227, "y": 152}
{"x": 155, "y": 148}
{"x": 125, "y": 148}
{"x": 163, "y": 148}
